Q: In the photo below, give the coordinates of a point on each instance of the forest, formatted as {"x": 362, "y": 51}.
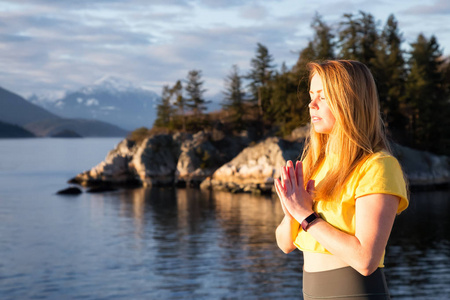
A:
{"x": 413, "y": 86}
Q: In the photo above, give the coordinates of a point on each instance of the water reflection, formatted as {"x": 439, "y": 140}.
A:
{"x": 211, "y": 245}
{"x": 193, "y": 244}
{"x": 418, "y": 257}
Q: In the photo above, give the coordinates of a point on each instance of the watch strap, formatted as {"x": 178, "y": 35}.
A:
{"x": 309, "y": 220}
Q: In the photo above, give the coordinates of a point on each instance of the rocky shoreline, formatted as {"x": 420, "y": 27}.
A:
{"x": 214, "y": 160}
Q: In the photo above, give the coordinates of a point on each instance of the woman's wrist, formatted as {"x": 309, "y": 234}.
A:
{"x": 303, "y": 216}
{"x": 309, "y": 220}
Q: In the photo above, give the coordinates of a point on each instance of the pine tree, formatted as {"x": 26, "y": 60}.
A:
{"x": 286, "y": 111}
{"x": 388, "y": 68}
{"x": 323, "y": 40}
{"x": 165, "y": 110}
{"x": 358, "y": 38}
{"x": 426, "y": 96}
{"x": 234, "y": 100}
{"x": 180, "y": 102}
{"x": 321, "y": 47}
{"x": 260, "y": 74}
{"x": 194, "y": 90}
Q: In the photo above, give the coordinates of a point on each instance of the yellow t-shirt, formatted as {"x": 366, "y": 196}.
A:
{"x": 379, "y": 174}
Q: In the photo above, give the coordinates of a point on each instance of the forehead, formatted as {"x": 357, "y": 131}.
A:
{"x": 316, "y": 83}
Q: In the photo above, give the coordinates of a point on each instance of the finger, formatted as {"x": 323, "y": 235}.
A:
{"x": 284, "y": 176}
{"x": 291, "y": 172}
{"x": 310, "y": 188}
{"x": 282, "y": 173}
{"x": 299, "y": 173}
{"x": 280, "y": 192}
{"x": 278, "y": 187}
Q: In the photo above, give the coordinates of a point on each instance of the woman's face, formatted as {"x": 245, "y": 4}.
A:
{"x": 321, "y": 117}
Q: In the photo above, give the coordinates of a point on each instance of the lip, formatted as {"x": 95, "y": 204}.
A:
{"x": 315, "y": 119}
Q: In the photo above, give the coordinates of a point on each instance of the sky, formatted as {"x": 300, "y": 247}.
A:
{"x": 49, "y": 47}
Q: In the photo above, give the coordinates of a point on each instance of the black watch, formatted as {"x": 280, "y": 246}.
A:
{"x": 309, "y": 220}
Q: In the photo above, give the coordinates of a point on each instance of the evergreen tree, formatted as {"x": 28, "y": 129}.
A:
{"x": 358, "y": 38}
{"x": 165, "y": 110}
{"x": 284, "y": 68}
{"x": 180, "y": 102}
{"x": 234, "y": 100}
{"x": 323, "y": 40}
{"x": 286, "y": 111}
{"x": 388, "y": 68}
{"x": 321, "y": 47}
{"x": 425, "y": 96}
{"x": 260, "y": 74}
{"x": 195, "y": 92}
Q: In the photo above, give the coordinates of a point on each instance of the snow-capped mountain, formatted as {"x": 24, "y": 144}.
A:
{"x": 109, "y": 99}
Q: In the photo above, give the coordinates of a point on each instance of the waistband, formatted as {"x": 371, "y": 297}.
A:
{"x": 345, "y": 283}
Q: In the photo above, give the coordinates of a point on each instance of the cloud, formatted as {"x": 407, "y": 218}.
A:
{"x": 71, "y": 48}
{"x": 57, "y": 45}
{"x": 439, "y": 7}
{"x": 255, "y": 12}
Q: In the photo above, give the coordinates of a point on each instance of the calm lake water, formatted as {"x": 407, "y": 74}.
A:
{"x": 172, "y": 243}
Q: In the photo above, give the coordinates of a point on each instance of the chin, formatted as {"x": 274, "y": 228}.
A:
{"x": 321, "y": 130}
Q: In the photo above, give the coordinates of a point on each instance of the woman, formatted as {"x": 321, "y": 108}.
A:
{"x": 342, "y": 218}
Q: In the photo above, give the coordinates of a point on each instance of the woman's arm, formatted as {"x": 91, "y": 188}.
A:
{"x": 286, "y": 233}
{"x": 375, "y": 216}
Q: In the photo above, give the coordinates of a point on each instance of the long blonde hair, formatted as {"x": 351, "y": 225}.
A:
{"x": 352, "y": 97}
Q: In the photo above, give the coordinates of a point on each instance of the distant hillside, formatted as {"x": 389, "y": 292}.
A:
{"x": 13, "y": 131}
{"x": 85, "y": 128}
{"x": 110, "y": 99}
{"x": 16, "y": 110}
{"x": 40, "y": 122}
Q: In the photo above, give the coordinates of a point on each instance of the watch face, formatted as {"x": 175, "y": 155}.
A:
{"x": 308, "y": 220}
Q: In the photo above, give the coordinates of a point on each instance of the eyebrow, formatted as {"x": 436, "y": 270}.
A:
{"x": 318, "y": 91}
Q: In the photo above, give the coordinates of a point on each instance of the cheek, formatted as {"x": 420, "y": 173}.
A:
{"x": 330, "y": 117}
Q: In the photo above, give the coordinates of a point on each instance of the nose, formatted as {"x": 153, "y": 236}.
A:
{"x": 313, "y": 103}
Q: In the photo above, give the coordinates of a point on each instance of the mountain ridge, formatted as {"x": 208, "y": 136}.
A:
{"x": 109, "y": 99}
{"x": 17, "y": 112}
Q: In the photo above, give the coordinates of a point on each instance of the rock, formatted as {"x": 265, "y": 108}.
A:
{"x": 203, "y": 153}
{"x": 255, "y": 167}
{"x": 70, "y": 191}
{"x": 423, "y": 168}
{"x": 300, "y": 133}
{"x": 198, "y": 159}
{"x": 155, "y": 161}
{"x": 113, "y": 170}
{"x": 219, "y": 160}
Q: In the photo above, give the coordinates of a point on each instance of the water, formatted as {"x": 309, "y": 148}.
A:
{"x": 172, "y": 243}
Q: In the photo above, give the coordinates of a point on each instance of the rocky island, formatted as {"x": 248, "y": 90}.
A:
{"x": 215, "y": 160}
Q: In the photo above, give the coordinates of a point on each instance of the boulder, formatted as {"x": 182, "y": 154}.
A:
{"x": 73, "y": 190}
{"x": 423, "y": 169}
{"x": 255, "y": 167}
{"x": 155, "y": 160}
{"x": 218, "y": 160}
{"x": 203, "y": 154}
{"x": 114, "y": 170}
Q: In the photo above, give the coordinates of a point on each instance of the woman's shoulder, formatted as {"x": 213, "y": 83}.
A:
{"x": 380, "y": 164}
{"x": 382, "y": 173}
{"x": 382, "y": 157}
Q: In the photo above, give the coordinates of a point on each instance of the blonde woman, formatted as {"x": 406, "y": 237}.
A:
{"x": 341, "y": 200}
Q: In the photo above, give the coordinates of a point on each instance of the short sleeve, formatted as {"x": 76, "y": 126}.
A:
{"x": 383, "y": 175}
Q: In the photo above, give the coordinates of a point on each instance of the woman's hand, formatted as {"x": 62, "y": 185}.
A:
{"x": 295, "y": 200}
